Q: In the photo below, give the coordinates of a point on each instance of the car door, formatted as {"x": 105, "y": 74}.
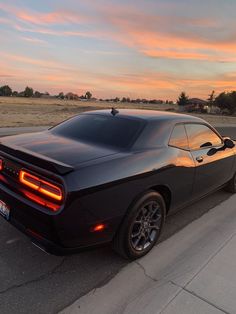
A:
{"x": 213, "y": 162}
{"x": 182, "y": 174}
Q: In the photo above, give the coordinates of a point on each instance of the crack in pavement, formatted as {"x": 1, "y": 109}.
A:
{"x": 40, "y": 278}
{"x": 145, "y": 272}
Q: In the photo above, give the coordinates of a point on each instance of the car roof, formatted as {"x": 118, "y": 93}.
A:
{"x": 149, "y": 115}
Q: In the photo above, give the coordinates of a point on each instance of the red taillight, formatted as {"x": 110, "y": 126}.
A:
{"x": 39, "y": 200}
{"x": 1, "y": 164}
{"x": 40, "y": 185}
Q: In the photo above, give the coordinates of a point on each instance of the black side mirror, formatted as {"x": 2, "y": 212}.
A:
{"x": 212, "y": 151}
{"x": 228, "y": 143}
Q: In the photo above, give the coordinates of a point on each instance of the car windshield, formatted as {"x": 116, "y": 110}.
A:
{"x": 111, "y": 130}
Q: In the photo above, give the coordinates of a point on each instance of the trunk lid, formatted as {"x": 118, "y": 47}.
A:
{"x": 48, "y": 150}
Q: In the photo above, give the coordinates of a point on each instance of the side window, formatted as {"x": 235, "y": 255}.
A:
{"x": 201, "y": 136}
{"x": 178, "y": 137}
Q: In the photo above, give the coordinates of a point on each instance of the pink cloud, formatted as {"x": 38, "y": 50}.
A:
{"x": 148, "y": 34}
{"x": 43, "y": 63}
{"x": 51, "y": 18}
{"x": 162, "y": 44}
{"x": 47, "y": 18}
{"x": 34, "y": 40}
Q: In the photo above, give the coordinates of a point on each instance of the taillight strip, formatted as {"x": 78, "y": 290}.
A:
{"x": 40, "y": 185}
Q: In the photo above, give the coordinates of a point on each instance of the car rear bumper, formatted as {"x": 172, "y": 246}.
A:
{"x": 39, "y": 241}
{"x": 55, "y": 233}
{"x": 31, "y": 219}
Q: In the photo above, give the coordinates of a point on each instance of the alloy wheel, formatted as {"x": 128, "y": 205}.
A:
{"x": 146, "y": 226}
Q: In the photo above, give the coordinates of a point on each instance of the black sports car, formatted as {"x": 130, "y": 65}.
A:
{"x": 110, "y": 176}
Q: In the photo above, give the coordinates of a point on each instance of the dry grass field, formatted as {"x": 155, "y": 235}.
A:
{"x": 15, "y": 112}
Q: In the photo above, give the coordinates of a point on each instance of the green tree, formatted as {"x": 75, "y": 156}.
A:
{"x": 61, "y": 95}
{"x": 233, "y": 97}
{"x": 183, "y": 99}
{"x": 227, "y": 101}
{"x": 88, "y": 95}
{"x": 5, "y": 91}
{"x": 28, "y": 92}
{"x": 211, "y": 99}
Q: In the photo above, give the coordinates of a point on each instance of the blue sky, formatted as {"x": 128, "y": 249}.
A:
{"x": 152, "y": 49}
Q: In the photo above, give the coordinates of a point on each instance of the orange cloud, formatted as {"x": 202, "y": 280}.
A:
{"x": 36, "y": 18}
{"x": 49, "y": 18}
{"x": 42, "y": 63}
{"x": 172, "y": 46}
{"x": 188, "y": 55}
{"x": 171, "y": 37}
{"x": 149, "y": 34}
{"x": 176, "y": 55}
{"x": 59, "y": 33}
{"x": 136, "y": 85}
{"x": 148, "y": 84}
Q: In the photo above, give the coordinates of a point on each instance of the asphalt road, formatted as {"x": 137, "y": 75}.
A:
{"x": 33, "y": 282}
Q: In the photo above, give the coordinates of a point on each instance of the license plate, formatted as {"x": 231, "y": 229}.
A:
{"x": 4, "y": 210}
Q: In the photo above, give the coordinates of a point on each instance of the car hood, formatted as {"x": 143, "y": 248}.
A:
{"x": 61, "y": 149}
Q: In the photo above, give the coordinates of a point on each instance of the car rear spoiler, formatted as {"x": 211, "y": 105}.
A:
{"x": 36, "y": 159}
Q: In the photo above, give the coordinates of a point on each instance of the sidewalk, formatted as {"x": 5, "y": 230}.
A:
{"x": 193, "y": 272}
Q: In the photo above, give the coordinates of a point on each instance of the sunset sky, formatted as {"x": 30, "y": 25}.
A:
{"x": 132, "y": 48}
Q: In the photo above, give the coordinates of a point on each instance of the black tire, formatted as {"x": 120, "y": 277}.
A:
{"x": 231, "y": 186}
{"x": 146, "y": 216}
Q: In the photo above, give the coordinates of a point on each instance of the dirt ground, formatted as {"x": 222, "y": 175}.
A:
{"x": 15, "y": 112}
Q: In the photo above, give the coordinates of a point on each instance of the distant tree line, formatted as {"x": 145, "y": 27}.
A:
{"x": 72, "y": 96}
{"x": 137, "y": 101}
{"x": 6, "y": 91}
{"x": 226, "y": 101}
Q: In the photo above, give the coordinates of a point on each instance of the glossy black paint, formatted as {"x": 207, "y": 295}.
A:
{"x": 101, "y": 183}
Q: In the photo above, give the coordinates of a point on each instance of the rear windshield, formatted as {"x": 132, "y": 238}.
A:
{"x": 102, "y": 130}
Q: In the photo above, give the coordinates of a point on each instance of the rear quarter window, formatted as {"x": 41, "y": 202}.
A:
{"x": 179, "y": 138}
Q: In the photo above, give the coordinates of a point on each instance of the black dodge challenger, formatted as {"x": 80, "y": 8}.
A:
{"x": 110, "y": 176}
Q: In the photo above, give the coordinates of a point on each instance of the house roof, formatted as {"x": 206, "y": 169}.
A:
{"x": 197, "y": 101}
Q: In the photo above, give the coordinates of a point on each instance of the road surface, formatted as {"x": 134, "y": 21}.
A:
{"x": 34, "y": 282}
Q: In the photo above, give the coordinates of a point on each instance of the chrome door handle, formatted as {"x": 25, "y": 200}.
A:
{"x": 199, "y": 159}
